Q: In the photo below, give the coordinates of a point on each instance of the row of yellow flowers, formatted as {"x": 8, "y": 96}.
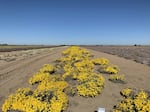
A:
{"x": 49, "y": 94}
{"x": 73, "y": 74}
{"x": 79, "y": 67}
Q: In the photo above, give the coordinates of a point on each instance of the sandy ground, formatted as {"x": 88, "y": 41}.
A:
{"x": 17, "y": 73}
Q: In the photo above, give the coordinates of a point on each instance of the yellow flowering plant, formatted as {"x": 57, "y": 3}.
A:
{"x": 90, "y": 85}
{"x": 47, "y": 68}
{"x": 111, "y": 69}
{"x": 134, "y": 101}
{"x": 127, "y": 92}
{"x": 39, "y": 77}
{"x": 117, "y": 78}
{"x": 19, "y": 101}
{"x": 100, "y": 61}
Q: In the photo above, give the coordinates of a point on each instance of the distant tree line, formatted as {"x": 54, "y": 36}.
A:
{"x": 3, "y": 44}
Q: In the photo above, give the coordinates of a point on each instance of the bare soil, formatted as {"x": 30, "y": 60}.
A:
{"x": 9, "y": 48}
{"x": 140, "y": 54}
{"x": 15, "y": 74}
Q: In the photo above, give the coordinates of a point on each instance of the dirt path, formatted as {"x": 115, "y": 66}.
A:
{"x": 16, "y": 75}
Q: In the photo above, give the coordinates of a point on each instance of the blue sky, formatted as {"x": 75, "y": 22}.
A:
{"x": 75, "y": 21}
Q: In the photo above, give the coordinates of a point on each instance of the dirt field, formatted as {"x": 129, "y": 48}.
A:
{"x": 15, "y": 74}
{"x": 140, "y": 54}
{"x": 8, "y": 48}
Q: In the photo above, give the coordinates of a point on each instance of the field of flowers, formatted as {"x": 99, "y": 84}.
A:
{"x": 73, "y": 74}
